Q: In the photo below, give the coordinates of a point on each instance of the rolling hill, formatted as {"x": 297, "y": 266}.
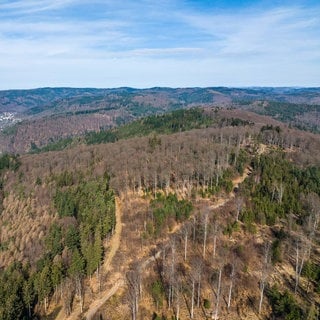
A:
{"x": 45, "y": 115}
{"x": 194, "y": 213}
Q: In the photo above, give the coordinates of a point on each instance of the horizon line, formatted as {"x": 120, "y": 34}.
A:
{"x": 162, "y": 87}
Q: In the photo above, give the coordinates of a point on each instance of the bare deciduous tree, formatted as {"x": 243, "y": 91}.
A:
{"x": 215, "y": 314}
{"x": 185, "y": 234}
{"x": 232, "y": 279}
{"x": 215, "y": 230}
{"x": 177, "y": 297}
{"x": 205, "y": 220}
{"x": 171, "y": 273}
{"x": 193, "y": 280}
{"x": 266, "y": 262}
{"x": 134, "y": 282}
{"x": 197, "y": 269}
{"x": 301, "y": 255}
{"x": 67, "y": 295}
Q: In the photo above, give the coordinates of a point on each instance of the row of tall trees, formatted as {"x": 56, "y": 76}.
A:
{"x": 73, "y": 249}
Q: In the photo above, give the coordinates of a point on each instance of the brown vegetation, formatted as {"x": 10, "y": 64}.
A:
{"x": 202, "y": 259}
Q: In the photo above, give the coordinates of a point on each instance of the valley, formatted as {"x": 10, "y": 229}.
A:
{"x": 171, "y": 204}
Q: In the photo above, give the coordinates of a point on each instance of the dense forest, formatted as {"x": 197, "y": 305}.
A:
{"x": 302, "y": 116}
{"x": 177, "y": 121}
{"x": 195, "y": 214}
{"x": 72, "y": 248}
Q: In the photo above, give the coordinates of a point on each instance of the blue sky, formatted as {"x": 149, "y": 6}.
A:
{"x": 145, "y": 43}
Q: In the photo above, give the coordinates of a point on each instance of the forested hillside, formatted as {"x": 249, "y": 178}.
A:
{"x": 196, "y": 214}
{"x": 34, "y": 118}
{"x": 177, "y": 121}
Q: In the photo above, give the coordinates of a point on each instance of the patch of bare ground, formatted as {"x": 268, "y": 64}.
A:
{"x": 146, "y": 253}
{"x": 131, "y": 249}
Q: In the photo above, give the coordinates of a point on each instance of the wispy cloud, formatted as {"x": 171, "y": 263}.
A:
{"x": 146, "y": 43}
{"x": 263, "y": 32}
{"x": 22, "y": 7}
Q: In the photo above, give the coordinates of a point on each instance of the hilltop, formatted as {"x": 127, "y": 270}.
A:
{"x": 48, "y": 114}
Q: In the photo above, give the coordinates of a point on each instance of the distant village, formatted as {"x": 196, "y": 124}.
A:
{"x": 7, "y": 119}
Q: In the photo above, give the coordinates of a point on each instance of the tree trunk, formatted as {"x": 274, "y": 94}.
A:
{"x": 205, "y": 235}
{"x": 169, "y": 297}
{"x": 262, "y": 285}
{"x": 198, "y": 291}
{"x": 216, "y": 313}
{"x": 297, "y": 269}
{"x": 194, "y": 229}
{"x": 185, "y": 245}
{"x": 192, "y": 300}
{"x": 231, "y": 287}
{"x": 178, "y": 306}
{"x": 264, "y": 273}
{"x": 99, "y": 277}
{"x": 45, "y": 304}
{"x": 299, "y": 266}
{"x": 133, "y": 313}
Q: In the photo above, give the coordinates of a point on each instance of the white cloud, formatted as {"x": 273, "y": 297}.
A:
{"x": 22, "y": 7}
{"x": 164, "y": 51}
{"x": 272, "y": 31}
{"x": 279, "y": 46}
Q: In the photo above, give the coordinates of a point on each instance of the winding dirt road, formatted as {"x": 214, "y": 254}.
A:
{"x": 103, "y": 296}
{"x": 116, "y": 238}
{"x": 97, "y": 304}
{"x": 119, "y": 280}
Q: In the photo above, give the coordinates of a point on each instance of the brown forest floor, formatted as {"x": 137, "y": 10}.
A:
{"x": 117, "y": 261}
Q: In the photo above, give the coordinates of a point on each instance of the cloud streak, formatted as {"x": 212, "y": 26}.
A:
{"x": 21, "y": 7}
{"x": 108, "y": 44}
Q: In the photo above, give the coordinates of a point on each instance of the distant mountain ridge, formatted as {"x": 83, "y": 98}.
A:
{"x": 49, "y": 114}
{"x": 34, "y": 101}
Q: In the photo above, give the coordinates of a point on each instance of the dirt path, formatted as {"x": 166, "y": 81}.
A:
{"x": 235, "y": 184}
{"x": 118, "y": 281}
{"x": 115, "y": 240}
{"x": 262, "y": 148}
{"x": 97, "y": 304}
{"x": 239, "y": 180}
